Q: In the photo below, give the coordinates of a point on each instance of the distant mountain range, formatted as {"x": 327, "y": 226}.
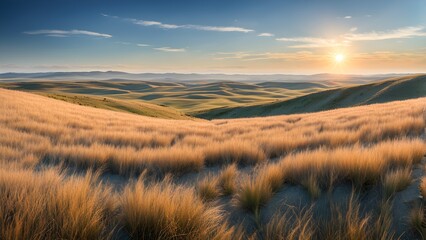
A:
{"x": 180, "y": 77}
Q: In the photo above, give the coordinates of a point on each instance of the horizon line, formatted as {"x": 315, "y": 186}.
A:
{"x": 216, "y": 73}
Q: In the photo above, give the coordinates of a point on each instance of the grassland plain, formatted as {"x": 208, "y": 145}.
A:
{"x": 75, "y": 172}
{"x": 187, "y": 97}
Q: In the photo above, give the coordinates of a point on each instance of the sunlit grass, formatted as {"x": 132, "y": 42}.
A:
{"x": 249, "y": 160}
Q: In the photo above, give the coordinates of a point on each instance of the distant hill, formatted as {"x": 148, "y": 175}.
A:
{"x": 136, "y": 107}
{"x": 379, "y": 92}
{"x": 187, "y": 97}
{"x": 184, "y": 77}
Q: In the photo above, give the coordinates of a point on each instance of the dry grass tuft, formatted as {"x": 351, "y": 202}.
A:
{"x": 395, "y": 181}
{"x": 349, "y": 223}
{"x": 290, "y": 225}
{"x": 240, "y": 152}
{"x": 165, "y": 211}
{"x": 358, "y": 164}
{"x": 45, "y": 206}
{"x": 252, "y": 195}
{"x": 208, "y": 188}
{"x": 256, "y": 191}
{"x": 311, "y": 184}
{"x": 227, "y": 179}
{"x": 423, "y": 188}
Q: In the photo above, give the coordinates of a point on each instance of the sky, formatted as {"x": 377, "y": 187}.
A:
{"x": 214, "y": 36}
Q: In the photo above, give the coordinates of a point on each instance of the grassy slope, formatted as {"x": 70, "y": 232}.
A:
{"x": 140, "y": 108}
{"x": 383, "y": 91}
{"x": 188, "y": 97}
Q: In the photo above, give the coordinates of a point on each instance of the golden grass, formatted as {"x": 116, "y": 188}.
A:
{"x": 46, "y": 206}
{"x": 417, "y": 219}
{"x": 227, "y": 179}
{"x": 241, "y": 152}
{"x": 423, "y": 187}
{"x": 361, "y": 165}
{"x": 289, "y": 225}
{"x": 362, "y": 145}
{"x": 42, "y": 129}
{"x": 395, "y": 181}
{"x": 345, "y": 222}
{"x": 208, "y": 188}
{"x": 252, "y": 195}
{"x": 321, "y": 168}
{"x": 164, "y": 211}
{"x": 352, "y": 224}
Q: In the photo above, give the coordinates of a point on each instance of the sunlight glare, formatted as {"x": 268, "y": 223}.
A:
{"x": 339, "y": 58}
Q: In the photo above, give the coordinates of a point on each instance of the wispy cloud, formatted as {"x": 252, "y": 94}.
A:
{"x": 142, "y": 45}
{"x": 246, "y": 56}
{"x": 66, "y": 33}
{"x": 266, "y": 35}
{"x": 169, "y": 49}
{"x": 406, "y": 32}
{"x": 309, "y": 42}
{"x": 347, "y": 17}
{"x": 354, "y": 29}
{"x": 149, "y": 23}
{"x": 191, "y": 26}
{"x": 346, "y": 39}
{"x": 154, "y": 23}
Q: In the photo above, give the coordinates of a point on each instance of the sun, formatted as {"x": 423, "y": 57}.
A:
{"x": 339, "y": 58}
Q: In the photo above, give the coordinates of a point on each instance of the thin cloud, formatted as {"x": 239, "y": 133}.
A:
{"x": 191, "y": 26}
{"x": 407, "y": 32}
{"x": 346, "y": 39}
{"x": 266, "y": 35}
{"x": 245, "y": 56}
{"x": 354, "y": 29}
{"x": 347, "y": 17}
{"x": 169, "y": 49}
{"x": 309, "y": 42}
{"x": 147, "y": 23}
{"x": 66, "y": 33}
{"x": 154, "y": 23}
{"x": 142, "y": 45}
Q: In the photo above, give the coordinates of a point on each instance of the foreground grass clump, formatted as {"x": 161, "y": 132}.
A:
{"x": 396, "y": 181}
{"x": 128, "y": 161}
{"x": 254, "y": 192}
{"x": 347, "y": 222}
{"x": 417, "y": 219}
{"x": 227, "y": 179}
{"x": 211, "y": 187}
{"x": 45, "y": 206}
{"x": 241, "y": 152}
{"x": 344, "y": 222}
{"x": 361, "y": 165}
{"x": 252, "y": 195}
{"x": 208, "y": 188}
{"x": 423, "y": 188}
{"x": 165, "y": 211}
{"x": 290, "y": 225}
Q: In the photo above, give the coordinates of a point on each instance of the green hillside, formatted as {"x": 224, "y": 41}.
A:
{"x": 379, "y": 92}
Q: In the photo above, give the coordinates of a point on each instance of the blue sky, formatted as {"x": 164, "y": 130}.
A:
{"x": 214, "y": 36}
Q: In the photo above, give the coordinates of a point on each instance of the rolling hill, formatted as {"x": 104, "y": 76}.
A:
{"x": 130, "y": 106}
{"x": 400, "y": 88}
{"x": 188, "y": 97}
